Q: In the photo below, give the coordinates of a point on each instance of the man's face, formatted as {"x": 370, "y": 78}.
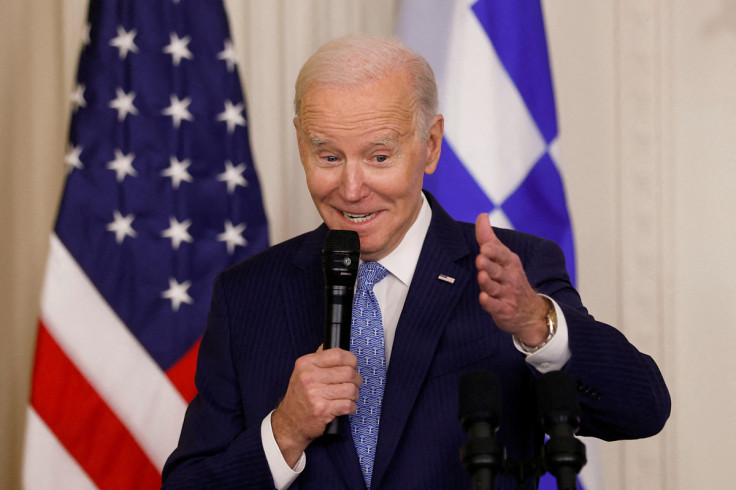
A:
{"x": 364, "y": 163}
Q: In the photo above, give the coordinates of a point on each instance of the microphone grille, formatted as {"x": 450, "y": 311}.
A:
{"x": 342, "y": 241}
{"x": 479, "y": 396}
{"x": 556, "y": 392}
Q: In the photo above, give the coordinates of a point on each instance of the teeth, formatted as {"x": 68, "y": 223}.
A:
{"x": 358, "y": 218}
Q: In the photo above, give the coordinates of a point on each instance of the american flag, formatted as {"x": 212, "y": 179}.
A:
{"x": 161, "y": 194}
{"x": 500, "y": 149}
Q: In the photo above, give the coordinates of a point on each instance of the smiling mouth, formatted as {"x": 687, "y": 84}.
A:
{"x": 358, "y": 218}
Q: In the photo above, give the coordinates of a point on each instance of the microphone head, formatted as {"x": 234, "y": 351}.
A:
{"x": 557, "y": 396}
{"x": 345, "y": 241}
{"x": 340, "y": 257}
{"x": 480, "y": 398}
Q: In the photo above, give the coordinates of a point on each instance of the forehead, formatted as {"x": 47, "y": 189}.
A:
{"x": 383, "y": 105}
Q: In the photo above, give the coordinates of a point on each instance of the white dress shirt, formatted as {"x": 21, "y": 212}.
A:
{"x": 391, "y": 294}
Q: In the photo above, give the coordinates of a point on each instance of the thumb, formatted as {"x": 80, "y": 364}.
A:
{"x": 483, "y": 231}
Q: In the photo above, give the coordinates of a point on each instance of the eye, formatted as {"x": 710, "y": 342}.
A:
{"x": 331, "y": 159}
{"x": 381, "y": 158}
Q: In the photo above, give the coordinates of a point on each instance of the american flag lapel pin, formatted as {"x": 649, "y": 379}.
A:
{"x": 445, "y": 278}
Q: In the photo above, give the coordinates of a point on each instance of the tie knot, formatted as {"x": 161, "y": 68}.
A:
{"x": 369, "y": 273}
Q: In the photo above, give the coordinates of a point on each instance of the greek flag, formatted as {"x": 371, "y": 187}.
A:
{"x": 499, "y": 153}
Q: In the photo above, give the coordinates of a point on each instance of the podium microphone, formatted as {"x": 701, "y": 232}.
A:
{"x": 480, "y": 414}
{"x": 559, "y": 411}
{"x": 340, "y": 257}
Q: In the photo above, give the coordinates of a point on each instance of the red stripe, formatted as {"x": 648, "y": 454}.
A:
{"x": 83, "y": 422}
{"x": 181, "y": 374}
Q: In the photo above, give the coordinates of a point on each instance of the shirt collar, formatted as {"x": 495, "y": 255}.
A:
{"x": 402, "y": 261}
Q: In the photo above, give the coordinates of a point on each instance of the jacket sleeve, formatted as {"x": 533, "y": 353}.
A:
{"x": 216, "y": 448}
{"x": 621, "y": 390}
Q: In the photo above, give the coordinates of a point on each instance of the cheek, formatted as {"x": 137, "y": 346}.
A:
{"x": 319, "y": 181}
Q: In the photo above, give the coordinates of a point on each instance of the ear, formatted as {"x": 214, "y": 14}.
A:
{"x": 434, "y": 143}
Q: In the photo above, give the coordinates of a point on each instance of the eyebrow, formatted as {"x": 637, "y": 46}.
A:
{"x": 388, "y": 140}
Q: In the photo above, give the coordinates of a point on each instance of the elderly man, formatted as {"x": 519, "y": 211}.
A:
{"x": 450, "y": 298}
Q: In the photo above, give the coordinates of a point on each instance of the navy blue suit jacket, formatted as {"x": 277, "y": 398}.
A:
{"x": 269, "y": 310}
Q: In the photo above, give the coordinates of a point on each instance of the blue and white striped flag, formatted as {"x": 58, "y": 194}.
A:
{"x": 499, "y": 152}
{"x": 490, "y": 59}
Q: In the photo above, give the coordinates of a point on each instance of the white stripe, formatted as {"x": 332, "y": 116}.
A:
{"x": 46, "y": 463}
{"x": 110, "y": 357}
{"x": 487, "y": 122}
{"x": 499, "y": 219}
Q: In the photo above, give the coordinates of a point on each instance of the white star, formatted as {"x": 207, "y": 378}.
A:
{"x": 233, "y": 236}
{"x": 177, "y": 171}
{"x": 77, "y": 97}
{"x": 232, "y": 114}
{"x": 233, "y": 176}
{"x": 122, "y": 226}
{"x": 122, "y": 165}
{"x": 178, "y": 110}
{"x": 123, "y": 103}
{"x": 178, "y": 49}
{"x": 178, "y": 232}
{"x": 228, "y": 54}
{"x": 177, "y": 293}
{"x": 124, "y": 41}
{"x": 72, "y": 158}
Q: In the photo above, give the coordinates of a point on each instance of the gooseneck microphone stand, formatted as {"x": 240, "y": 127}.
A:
{"x": 558, "y": 409}
{"x": 480, "y": 413}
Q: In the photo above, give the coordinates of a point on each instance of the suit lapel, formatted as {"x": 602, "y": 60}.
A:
{"x": 303, "y": 295}
{"x": 426, "y": 312}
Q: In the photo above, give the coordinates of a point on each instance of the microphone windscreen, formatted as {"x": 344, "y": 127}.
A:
{"x": 479, "y": 397}
{"x": 556, "y": 392}
{"x": 342, "y": 241}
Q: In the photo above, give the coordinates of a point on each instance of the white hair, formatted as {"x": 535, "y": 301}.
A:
{"x": 349, "y": 62}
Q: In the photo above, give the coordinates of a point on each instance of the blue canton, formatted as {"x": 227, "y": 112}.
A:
{"x": 162, "y": 191}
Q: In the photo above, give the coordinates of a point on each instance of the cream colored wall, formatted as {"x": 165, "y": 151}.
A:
{"x": 647, "y": 113}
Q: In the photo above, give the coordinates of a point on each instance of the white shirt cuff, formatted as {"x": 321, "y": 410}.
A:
{"x": 283, "y": 475}
{"x": 554, "y": 355}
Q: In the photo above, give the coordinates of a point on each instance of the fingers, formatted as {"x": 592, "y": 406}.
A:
{"x": 483, "y": 231}
{"x": 333, "y": 357}
{"x": 323, "y": 385}
{"x": 505, "y": 292}
{"x": 309, "y": 373}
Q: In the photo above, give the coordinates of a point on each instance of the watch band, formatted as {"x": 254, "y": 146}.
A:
{"x": 551, "y": 319}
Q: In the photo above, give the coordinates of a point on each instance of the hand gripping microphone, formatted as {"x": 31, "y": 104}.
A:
{"x": 559, "y": 410}
{"x": 340, "y": 257}
{"x": 480, "y": 414}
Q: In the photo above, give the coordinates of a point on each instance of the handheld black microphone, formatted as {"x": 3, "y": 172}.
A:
{"x": 340, "y": 257}
{"x": 559, "y": 410}
{"x": 480, "y": 414}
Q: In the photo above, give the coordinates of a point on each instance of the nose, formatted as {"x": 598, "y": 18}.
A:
{"x": 352, "y": 182}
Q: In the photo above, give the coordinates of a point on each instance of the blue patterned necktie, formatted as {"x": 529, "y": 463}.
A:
{"x": 366, "y": 342}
